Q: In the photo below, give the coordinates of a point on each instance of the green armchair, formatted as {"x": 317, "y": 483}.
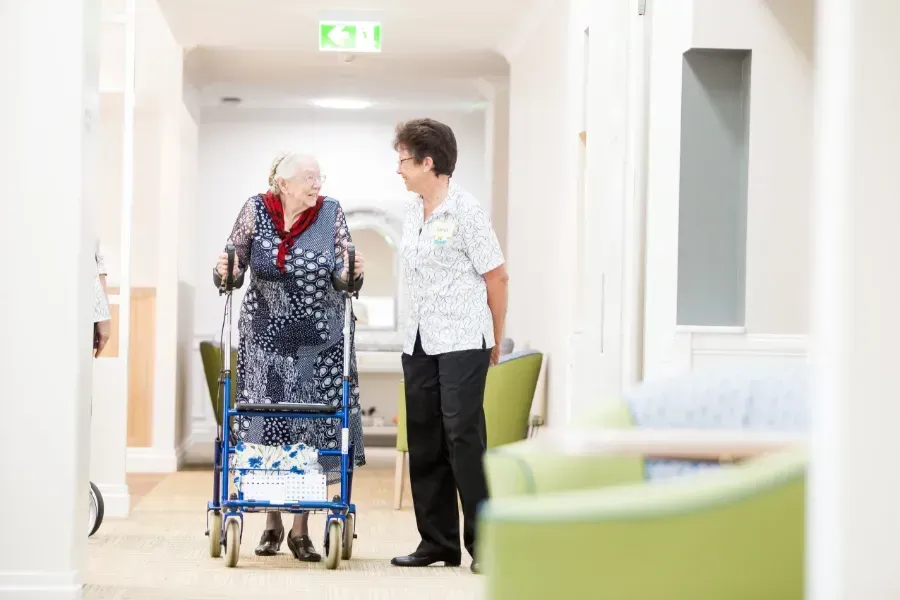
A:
{"x": 769, "y": 398}
{"x": 735, "y": 533}
{"x": 508, "y": 395}
{"x": 211, "y": 355}
{"x": 524, "y": 468}
{"x": 629, "y": 527}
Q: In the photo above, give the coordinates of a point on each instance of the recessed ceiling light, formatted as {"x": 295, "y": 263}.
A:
{"x": 342, "y": 103}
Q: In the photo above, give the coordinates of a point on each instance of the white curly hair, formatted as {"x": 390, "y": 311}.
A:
{"x": 287, "y": 165}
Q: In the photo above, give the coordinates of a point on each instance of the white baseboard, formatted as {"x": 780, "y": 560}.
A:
{"x": 39, "y": 586}
{"x": 202, "y": 431}
{"x": 156, "y": 460}
{"x": 200, "y": 443}
{"x": 150, "y": 460}
{"x": 116, "y": 499}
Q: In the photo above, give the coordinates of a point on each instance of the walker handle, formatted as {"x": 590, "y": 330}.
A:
{"x": 229, "y": 274}
{"x": 351, "y": 258}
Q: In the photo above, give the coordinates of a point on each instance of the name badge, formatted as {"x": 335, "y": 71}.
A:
{"x": 442, "y": 231}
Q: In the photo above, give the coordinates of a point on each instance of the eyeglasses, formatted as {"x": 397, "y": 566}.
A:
{"x": 311, "y": 179}
{"x": 400, "y": 162}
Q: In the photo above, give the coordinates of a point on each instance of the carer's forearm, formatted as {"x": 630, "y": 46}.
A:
{"x": 497, "y": 298}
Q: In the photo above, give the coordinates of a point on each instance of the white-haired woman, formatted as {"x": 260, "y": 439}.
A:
{"x": 291, "y": 348}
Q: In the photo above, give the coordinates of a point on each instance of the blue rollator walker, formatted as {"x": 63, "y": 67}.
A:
{"x": 225, "y": 513}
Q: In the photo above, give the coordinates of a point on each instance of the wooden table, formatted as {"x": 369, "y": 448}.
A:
{"x": 686, "y": 444}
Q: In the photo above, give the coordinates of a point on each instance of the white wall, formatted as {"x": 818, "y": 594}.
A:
{"x": 164, "y": 170}
{"x": 109, "y": 183}
{"x": 145, "y": 234}
{"x": 48, "y": 124}
{"x": 543, "y": 168}
{"x": 187, "y": 267}
{"x": 109, "y": 416}
{"x": 853, "y": 490}
{"x": 779, "y": 35}
{"x": 555, "y": 231}
{"x": 496, "y": 155}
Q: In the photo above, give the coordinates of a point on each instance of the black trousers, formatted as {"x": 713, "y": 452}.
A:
{"x": 447, "y": 439}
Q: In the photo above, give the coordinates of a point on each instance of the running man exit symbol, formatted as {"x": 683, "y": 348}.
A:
{"x": 349, "y": 36}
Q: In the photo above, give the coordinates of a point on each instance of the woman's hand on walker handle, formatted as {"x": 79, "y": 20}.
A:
{"x": 222, "y": 266}
{"x": 358, "y": 266}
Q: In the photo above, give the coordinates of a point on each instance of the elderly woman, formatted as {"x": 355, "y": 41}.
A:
{"x": 292, "y": 239}
{"x": 457, "y": 286}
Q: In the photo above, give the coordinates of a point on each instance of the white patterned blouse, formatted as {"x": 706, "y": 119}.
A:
{"x": 445, "y": 257}
{"x": 101, "y": 303}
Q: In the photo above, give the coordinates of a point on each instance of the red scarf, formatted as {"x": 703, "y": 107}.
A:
{"x": 276, "y": 213}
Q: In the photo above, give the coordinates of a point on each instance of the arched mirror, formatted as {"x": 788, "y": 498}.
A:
{"x": 379, "y": 310}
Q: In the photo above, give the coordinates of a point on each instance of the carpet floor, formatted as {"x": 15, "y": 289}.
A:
{"x": 160, "y": 552}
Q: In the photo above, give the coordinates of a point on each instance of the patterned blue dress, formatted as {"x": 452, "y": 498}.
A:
{"x": 291, "y": 331}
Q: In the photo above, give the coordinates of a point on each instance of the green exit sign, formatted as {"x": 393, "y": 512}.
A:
{"x": 349, "y": 36}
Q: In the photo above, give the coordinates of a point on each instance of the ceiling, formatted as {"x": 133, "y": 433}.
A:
{"x": 434, "y": 54}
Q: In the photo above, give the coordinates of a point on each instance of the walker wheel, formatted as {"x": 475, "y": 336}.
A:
{"x": 214, "y": 518}
{"x": 95, "y": 509}
{"x": 333, "y": 544}
{"x": 349, "y": 532}
{"x": 232, "y": 541}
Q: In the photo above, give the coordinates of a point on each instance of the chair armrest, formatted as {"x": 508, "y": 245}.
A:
{"x": 609, "y": 414}
{"x": 737, "y": 533}
{"x": 679, "y": 444}
{"x": 524, "y": 468}
{"x": 533, "y": 466}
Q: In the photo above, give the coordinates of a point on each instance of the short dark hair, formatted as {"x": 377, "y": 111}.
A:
{"x": 427, "y": 137}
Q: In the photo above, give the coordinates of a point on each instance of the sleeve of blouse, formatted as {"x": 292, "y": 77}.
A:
{"x": 99, "y": 258}
{"x": 242, "y": 238}
{"x": 242, "y": 233}
{"x": 342, "y": 239}
{"x": 480, "y": 241}
{"x": 101, "y": 302}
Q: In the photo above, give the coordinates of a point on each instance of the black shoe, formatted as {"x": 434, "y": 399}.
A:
{"x": 270, "y": 542}
{"x": 302, "y": 548}
{"x": 421, "y": 559}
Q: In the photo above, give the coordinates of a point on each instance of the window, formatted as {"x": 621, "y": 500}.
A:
{"x": 712, "y": 221}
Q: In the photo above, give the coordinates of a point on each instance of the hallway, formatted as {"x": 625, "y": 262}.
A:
{"x": 677, "y": 188}
{"x": 160, "y": 552}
